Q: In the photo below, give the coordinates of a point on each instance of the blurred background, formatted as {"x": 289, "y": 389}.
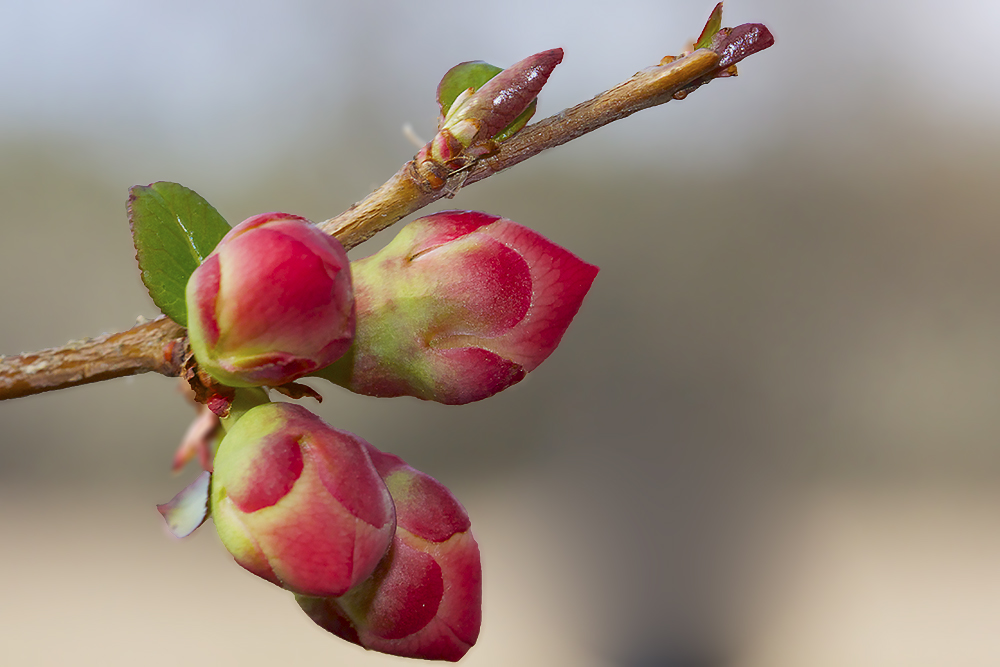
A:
{"x": 769, "y": 438}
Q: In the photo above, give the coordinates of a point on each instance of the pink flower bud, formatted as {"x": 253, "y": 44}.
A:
{"x": 272, "y": 302}
{"x": 300, "y": 503}
{"x": 425, "y": 598}
{"x": 460, "y": 305}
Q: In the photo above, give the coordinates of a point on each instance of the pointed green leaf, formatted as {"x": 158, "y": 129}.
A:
{"x": 461, "y": 77}
{"x": 517, "y": 123}
{"x": 712, "y": 27}
{"x": 173, "y": 229}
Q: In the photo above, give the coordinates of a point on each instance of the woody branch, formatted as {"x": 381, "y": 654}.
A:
{"x": 161, "y": 345}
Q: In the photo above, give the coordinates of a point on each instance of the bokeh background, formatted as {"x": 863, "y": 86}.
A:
{"x": 769, "y": 438}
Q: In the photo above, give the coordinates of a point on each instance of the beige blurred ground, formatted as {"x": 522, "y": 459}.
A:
{"x": 769, "y": 439}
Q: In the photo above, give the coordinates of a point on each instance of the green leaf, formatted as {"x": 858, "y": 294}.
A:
{"x": 460, "y": 78}
{"x": 173, "y": 229}
{"x": 712, "y": 27}
{"x": 517, "y": 123}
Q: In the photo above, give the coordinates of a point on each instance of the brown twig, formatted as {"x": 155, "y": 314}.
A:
{"x": 161, "y": 345}
{"x": 407, "y": 191}
{"x": 151, "y": 346}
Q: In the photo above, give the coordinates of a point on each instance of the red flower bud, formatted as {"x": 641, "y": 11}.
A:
{"x": 460, "y": 305}
{"x": 425, "y": 598}
{"x": 300, "y": 503}
{"x": 271, "y": 303}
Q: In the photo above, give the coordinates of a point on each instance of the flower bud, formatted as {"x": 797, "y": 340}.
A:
{"x": 425, "y": 598}
{"x": 298, "y": 502}
{"x": 460, "y": 305}
{"x": 272, "y": 302}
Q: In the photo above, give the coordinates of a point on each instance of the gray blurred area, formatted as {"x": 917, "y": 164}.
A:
{"x": 770, "y": 437}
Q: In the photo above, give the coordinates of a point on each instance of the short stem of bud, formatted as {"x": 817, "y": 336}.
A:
{"x": 246, "y": 398}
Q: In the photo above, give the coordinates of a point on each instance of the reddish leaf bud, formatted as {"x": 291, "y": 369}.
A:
{"x": 425, "y": 598}
{"x": 735, "y": 44}
{"x": 502, "y": 98}
{"x": 460, "y": 305}
{"x": 298, "y": 502}
{"x": 272, "y": 302}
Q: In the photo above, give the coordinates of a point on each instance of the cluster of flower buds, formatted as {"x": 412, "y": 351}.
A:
{"x": 458, "y": 307}
{"x": 375, "y": 551}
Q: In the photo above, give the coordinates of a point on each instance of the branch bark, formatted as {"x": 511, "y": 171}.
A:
{"x": 156, "y": 346}
{"x": 407, "y": 191}
{"x": 161, "y": 345}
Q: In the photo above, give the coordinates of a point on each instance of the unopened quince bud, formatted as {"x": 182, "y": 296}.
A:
{"x": 272, "y": 302}
{"x": 300, "y": 503}
{"x": 425, "y": 598}
{"x": 460, "y": 305}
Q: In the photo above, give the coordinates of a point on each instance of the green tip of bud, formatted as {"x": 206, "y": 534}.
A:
{"x": 712, "y": 27}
